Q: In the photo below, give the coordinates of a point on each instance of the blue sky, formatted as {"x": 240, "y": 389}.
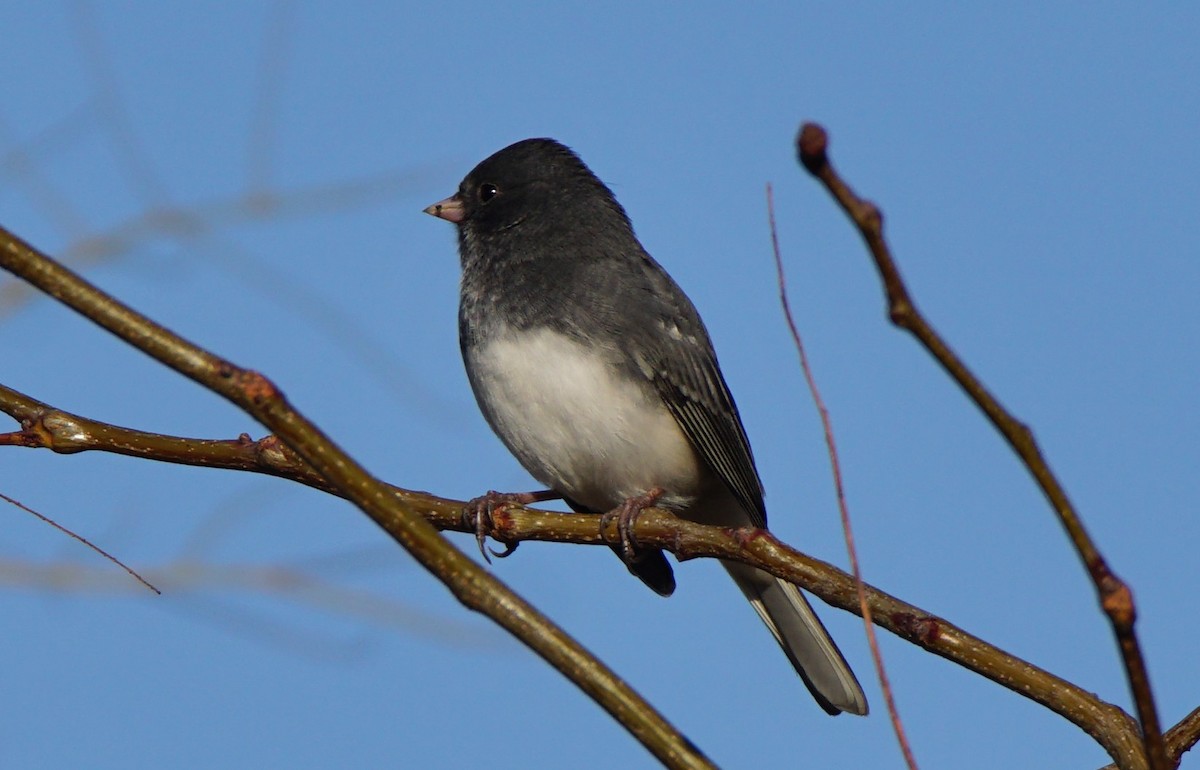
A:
{"x": 1039, "y": 174}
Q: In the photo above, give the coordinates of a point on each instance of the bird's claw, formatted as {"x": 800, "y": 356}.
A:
{"x": 626, "y": 515}
{"x": 509, "y": 548}
{"x": 478, "y": 514}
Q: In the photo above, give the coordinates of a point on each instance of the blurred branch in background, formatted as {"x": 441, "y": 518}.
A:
{"x": 214, "y": 592}
{"x": 210, "y": 224}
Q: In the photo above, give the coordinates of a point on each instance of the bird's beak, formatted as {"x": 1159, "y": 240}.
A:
{"x": 450, "y": 209}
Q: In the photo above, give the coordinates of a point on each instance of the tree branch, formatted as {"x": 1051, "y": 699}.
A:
{"x": 1112, "y": 728}
{"x": 1183, "y": 736}
{"x": 259, "y": 397}
{"x": 300, "y": 453}
{"x": 835, "y": 466}
{"x": 1115, "y": 597}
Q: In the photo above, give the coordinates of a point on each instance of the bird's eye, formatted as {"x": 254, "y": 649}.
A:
{"x": 487, "y": 191}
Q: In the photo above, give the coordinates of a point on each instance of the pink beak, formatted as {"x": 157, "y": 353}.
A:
{"x": 450, "y": 209}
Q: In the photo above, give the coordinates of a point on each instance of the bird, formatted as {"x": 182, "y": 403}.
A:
{"x": 593, "y": 367}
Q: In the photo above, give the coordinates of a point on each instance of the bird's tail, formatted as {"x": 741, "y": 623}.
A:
{"x": 803, "y": 639}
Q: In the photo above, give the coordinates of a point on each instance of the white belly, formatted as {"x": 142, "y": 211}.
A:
{"x": 577, "y": 426}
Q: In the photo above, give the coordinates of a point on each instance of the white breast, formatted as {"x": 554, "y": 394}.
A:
{"x": 578, "y": 424}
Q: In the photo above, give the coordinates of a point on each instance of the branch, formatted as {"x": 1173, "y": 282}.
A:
{"x": 1116, "y": 599}
{"x": 1107, "y": 724}
{"x": 835, "y": 465}
{"x": 80, "y": 538}
{"x": 259, "y": 397}
{"x": 1183, "y": 736}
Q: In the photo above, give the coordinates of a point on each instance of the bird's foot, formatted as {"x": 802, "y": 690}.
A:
{"x": 479, "y": 512}
{"x": 626, "y": 515}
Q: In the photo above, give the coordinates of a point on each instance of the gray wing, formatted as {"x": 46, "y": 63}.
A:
{"x": 685, "y": 372}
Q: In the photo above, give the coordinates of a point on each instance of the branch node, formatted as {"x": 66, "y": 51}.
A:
{"x": 61, "y": 432}
{"x": 900, "y": 312}
{"x": 871, "y": 217}
{"x": 923, "y": 628}
{"x": 811, "y": 145}
{"x": 271, "y": 451}
{"x": 1117, "y": 601}
{"x": 257, "y": 388}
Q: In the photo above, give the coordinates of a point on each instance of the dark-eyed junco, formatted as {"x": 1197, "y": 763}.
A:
{"x": 595, "y": 370}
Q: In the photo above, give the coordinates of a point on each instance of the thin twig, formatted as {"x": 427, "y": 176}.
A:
{"x": 1116, "y": 599}
{"x": 885, "y": 683}
{"x": 83, "y": 540}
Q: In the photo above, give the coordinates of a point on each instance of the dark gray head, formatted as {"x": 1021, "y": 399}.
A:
{"x": 535, "y": 185}
{"x": 539, "y": 236}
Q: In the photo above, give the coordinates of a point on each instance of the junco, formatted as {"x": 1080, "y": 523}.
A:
{"x": 595, "y": 370}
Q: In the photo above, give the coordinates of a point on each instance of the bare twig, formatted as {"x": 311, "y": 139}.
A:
{"x": 82, "y": 539}
{"x": 1115, "y": 597}
{"x": 835, "y": 466}
{"x": 260, "y": 398}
